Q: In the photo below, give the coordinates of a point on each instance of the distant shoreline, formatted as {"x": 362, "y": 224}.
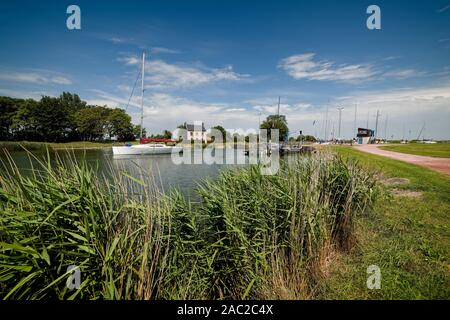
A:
{"x": 37, "y": 145}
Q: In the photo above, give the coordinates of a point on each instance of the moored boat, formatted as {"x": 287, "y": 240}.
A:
{"x": 141, "y": 149}
{"x": 145, "y": 147}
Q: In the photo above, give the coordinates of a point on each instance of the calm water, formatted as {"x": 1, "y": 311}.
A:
{"x": 168, "y": 175}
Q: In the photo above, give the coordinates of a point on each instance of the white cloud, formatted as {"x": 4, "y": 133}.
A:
{"x": 36, "y": 95}
{"x": 303, "y": 106}
{"x": 403, "y": 73}
{"x": 444, "y": 9}
{"x": 167, "y": 112}
{"x": 130, "y": 60}
{"x": 273, "y": 108}
{"x": 235, "y": 110}
{"x": 124, "y": 88}
{"x": 103, "y": 98}
{"x": 161, "y": 74}
{"x": 391, "y": 58}
{"x": 164, "y": 111}
{"x": 303, "y": 66}
{"x": 61, "y": 80}
{"x": 104, "y": 102}
{"x": 156, "y": 50}
{"x": 409, "y": 107}
{"x": 35, "y": 77}
{"x": 408, "y": 94}
{"x": 119, "y": 40}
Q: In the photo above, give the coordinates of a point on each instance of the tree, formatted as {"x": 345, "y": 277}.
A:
{"x": 307, "y": 138}
{"x": 53, "y": 122}
{"x": 137, "y": 131}
{"x": 94, "y": 123}
{"x": 276, "y": 122}
{"x": 119, "y": 125}
{"x": 71, "y": 103}
{"x": 167, "y": 134}
{"x": 252, "y": 137}
{"x": 25, "y": 122}
{"x": 91, "y": 122}
{"x": 65, "y": 118}
{"x": 8, "y": 108}
{"x": 221, "y": 129}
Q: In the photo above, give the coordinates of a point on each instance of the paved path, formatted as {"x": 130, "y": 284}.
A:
{"x": 437, "y": 164}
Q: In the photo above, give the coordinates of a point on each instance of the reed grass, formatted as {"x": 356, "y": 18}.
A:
{"x": 64, "y": 214}
{"x": 19, "y": 146}
{"x": 271, "y": 236}
{"x": 249, "y": 236}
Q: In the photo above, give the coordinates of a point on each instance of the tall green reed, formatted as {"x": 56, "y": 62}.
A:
{"x": 66, "y": 214}
{"x": 272, "y": 235}
{"x": 249, "y": 236}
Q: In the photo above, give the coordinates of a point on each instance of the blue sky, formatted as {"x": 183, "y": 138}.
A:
{"x": 224, "y": 62}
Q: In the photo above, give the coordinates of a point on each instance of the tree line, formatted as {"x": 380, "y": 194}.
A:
{"x": 68, "y": 118}
{"x": 62, "y": 119}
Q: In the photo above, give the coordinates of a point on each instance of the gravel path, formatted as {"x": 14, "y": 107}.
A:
{"x": 437, "y": 164}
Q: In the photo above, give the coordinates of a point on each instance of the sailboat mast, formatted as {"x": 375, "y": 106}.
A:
{"x": 354, "y": 122}
{"x": 142, "y": 94}
{"x": 278, "y": 111}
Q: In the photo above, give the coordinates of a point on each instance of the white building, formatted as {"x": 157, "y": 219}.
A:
{"x": 365, "y": 136}
{"x": 196, "y": 132}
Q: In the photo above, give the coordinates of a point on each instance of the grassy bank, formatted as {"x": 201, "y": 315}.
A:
{"x": 441, "y": 150}
{"x": 42, "y": 146}
{"x": 250, "y": 236}
{"x": 408, "y": 238}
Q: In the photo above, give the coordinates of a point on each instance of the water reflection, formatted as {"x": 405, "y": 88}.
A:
{"x": 184, "y": 177}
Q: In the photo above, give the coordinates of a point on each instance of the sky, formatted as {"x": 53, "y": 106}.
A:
{"x": 227, "y": 62}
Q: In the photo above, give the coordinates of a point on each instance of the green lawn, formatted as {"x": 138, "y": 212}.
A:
{"x": 441, "y": 150}
{"x": 408, "y": 238}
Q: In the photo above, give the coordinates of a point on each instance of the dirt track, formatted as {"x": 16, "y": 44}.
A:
{"x": 437, "y": 164}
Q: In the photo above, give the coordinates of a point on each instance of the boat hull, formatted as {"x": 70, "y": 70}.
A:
{"x": 144, "y": 149}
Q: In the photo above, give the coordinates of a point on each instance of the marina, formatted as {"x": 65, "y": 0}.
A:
{"x": 212, "y": 158}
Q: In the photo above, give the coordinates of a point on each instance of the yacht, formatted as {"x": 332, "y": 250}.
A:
{"x": 143, "y": 147}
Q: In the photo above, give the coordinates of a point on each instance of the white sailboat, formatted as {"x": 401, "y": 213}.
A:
{"x": 140, "y": 149}
{"x": 150, "y": 148}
